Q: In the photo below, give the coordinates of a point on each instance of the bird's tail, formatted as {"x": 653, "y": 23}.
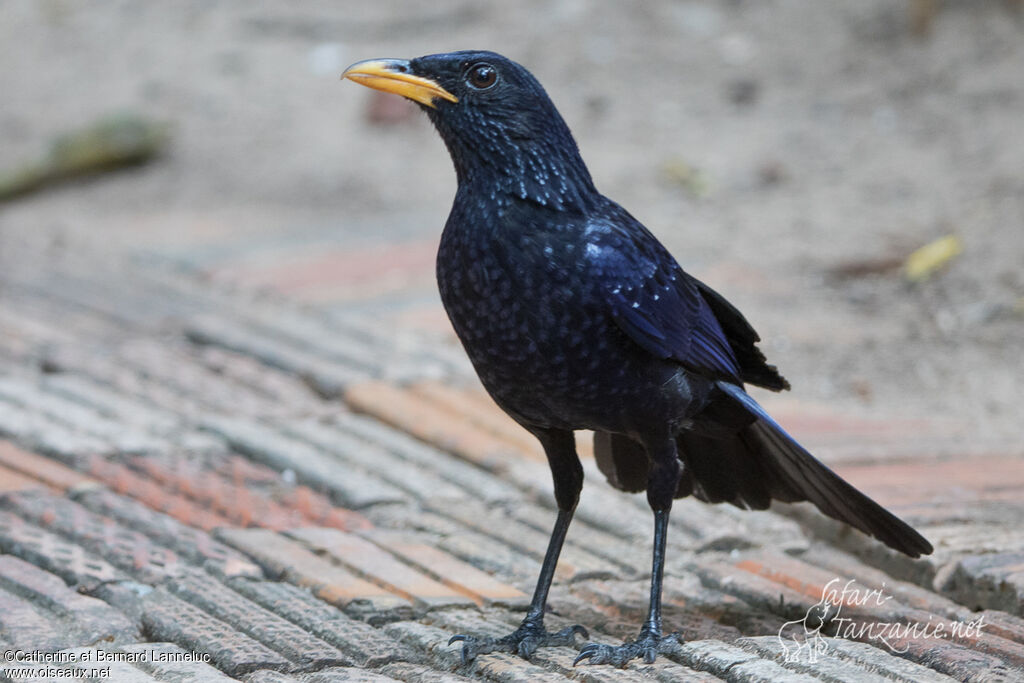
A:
{"x": 761, "y": 463}
{"x": 752, "y": 466}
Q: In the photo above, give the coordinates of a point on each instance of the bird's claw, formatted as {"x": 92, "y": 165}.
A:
{"x": 471, "y": 646}
{"x": 648, "y": 646}
{"x": 524, "y": 641}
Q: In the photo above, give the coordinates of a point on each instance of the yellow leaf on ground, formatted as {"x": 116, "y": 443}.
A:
{"x": 924, "y": 262}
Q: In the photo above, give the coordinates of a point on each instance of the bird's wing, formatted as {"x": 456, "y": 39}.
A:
{"x": 654, "y": 301}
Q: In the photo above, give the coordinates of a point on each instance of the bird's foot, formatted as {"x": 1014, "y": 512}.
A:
{"x": 524, "y": 641}
{"x": 647, "y": 646}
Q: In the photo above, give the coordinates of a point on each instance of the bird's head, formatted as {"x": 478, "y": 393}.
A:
{"x": 495, "y": 118}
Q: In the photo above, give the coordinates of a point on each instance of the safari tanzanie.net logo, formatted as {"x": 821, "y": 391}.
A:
{"x": 845, "y": 611}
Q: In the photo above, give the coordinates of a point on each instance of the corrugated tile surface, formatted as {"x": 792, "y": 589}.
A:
{"x": 246, "y": 489}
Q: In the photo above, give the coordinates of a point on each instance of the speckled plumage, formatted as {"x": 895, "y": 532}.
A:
{"x": 576, "y": 317}
{"x": 530, "y": 306}
{"x": 551, "y": 286}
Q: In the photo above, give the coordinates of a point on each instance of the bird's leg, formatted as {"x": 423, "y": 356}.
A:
{"x": 650, "y": 642}
{"x": 560, "y": 448}
{"x": 531, "y": 634}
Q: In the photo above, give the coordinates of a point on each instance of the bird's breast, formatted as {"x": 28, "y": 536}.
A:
{"x": 543, "y": 345}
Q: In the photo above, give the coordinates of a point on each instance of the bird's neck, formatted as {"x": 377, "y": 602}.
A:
{"x": 551, "y": 176}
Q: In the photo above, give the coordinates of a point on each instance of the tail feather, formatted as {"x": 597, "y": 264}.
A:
{"x": 797, "y": 475}
{"x": 752, "y": 466}
{"x": 723, "y": 470}
{"x": 623, "y": 461}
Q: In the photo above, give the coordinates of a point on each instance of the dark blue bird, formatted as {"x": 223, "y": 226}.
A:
{"x": 576, "y": 317}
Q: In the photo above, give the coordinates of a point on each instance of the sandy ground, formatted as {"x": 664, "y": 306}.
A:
{"x": 789, "y": 152}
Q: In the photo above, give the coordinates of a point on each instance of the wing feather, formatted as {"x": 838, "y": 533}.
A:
{"x": 655, "y": 302}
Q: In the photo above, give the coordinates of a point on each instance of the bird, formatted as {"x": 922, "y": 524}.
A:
{"x": 576, "y": 317}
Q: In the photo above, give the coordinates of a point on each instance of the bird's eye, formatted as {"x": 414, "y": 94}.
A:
{"x": 482, "y": 76}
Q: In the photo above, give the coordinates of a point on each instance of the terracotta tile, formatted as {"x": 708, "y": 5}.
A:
{"x": 125, "y": 548}
{"x": 354, "y": 487}
{"x": 415, "y": 673}
{"x": 483, "y": 485}
{"x": 93, "y": 619}
{"x": 305, "y": 650}
{"x": 39, "y": 467}
{"x": 476, "y": 407}
{"x": 436, "y": 425}
{"x": 195, "y": 544}
{"x": 239, "y": 503}
{"x": 989, "y": 580}
{"x": 28, "y": 628}
{"x": 364, "y": 644}
{"x": 12, "y": 481}
{"x": 381, "y": 567}
{"x": 461, "y": 576}
{"x": 575, "y": 561}
{"x": 374, "y": 266}
{"x": 962, "y": 479}
{"x": 168, "y": 662}
{"x": 168, "y": 618}
{"x": 70, "y": 561}
{"x": 125, "y": 481}
{"x": 281, "y": 556}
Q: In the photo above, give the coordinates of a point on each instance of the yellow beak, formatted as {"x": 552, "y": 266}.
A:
{"x": 392, "y": 75}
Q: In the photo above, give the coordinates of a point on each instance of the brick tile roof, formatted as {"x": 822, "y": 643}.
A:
{"x": 217, "y": 486}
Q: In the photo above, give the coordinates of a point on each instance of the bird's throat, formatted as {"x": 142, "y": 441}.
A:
{"x": 528, "y": 175}
{"x": 508, "y": 165}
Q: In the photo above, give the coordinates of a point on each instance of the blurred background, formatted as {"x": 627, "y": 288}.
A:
{"x": 798, "y": 156}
